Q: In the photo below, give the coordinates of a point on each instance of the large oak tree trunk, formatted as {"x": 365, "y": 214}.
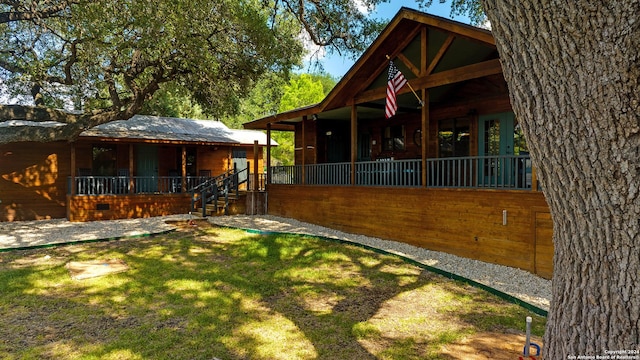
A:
{"x": 573, "y": 69}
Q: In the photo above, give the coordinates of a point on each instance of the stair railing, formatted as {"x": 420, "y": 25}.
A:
{"x": 221, "y": 185}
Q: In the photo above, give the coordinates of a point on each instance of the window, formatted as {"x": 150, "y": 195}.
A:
{"x": 104, "y": 160}
{"x": 393, "y": 138}
{"x": 453, "y": 137}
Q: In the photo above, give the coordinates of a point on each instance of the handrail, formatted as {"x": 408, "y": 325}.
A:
{"x": 223, "y": 184}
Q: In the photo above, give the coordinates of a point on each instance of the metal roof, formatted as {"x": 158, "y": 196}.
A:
{"x": 146, "y": 127}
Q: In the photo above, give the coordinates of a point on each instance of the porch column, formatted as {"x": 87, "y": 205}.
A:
{"x": 354, "y": 142}
{"x": 183, "y": 166}
{"x": 268, "y": 156}
{"x": 73, "y": 190}
{"x": 304, "y": 149}
{"x": 132, "y": 184}
{"x": 424, "y": 141}
{"x": 256, "y": 178}
{"x": 534, "y": 179}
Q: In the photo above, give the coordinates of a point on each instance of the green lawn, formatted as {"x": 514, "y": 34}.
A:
{"x": 227, "y": 294}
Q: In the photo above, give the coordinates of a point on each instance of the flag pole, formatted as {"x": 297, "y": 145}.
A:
{"x": 410, "y": 87}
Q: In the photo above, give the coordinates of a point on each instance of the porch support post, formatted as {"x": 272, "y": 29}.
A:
{"x": 534, "y": 179}
{"x": 183, "y": 168}
{"x": 304, "y": 149}
{"x": 354, "y": 142}
{"x": 268, "y": 156}
{"x": 424, "y": 142}
{"x": 73, "y": 190}
{"x": 256, "y": 178}
{"x": 132, "y": 184}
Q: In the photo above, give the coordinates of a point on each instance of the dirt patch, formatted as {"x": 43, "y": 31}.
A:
{"x": 191, "y": 225}
{"x": 489, "y": 345}
{"x": 88, "y": 269}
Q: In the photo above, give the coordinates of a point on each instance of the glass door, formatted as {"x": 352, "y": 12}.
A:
{"x": 495, "y": 146}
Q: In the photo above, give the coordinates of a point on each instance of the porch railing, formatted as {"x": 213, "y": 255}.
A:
{"x": 485, "y": 172}
{"x": 262, "y": 181}
{"x": 121, "y": 185}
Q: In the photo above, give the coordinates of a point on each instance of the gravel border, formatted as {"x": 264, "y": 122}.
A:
{"x": 518, "y": 283}
{"x": 26, "y": 234}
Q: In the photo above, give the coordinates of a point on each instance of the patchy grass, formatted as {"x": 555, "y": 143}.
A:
{"x": 227, "y": 294}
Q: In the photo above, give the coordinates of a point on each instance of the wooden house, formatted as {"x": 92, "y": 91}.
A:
{"x": 145, "y": 166}
{"x": 450, "y": 171}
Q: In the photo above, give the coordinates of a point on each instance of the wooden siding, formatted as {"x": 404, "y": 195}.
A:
{"x": 467, "y": 223}
{"x": 214, "y": 158}
{"x": 33, "y": 180}
{"x": 544, "y": 243}
{"x": 109, "y": 207}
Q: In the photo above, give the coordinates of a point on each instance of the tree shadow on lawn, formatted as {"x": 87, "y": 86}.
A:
{"x": 233, "y": 296}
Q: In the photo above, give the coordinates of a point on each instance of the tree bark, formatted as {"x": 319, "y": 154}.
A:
{"x": 573, "y": 69}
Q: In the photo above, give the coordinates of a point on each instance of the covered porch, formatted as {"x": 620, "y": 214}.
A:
{"x": 150, "y": 166}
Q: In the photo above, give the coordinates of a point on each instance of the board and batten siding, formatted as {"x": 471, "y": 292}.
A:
{"x": 33, "y": 180}
{"x": 467, "y": 223}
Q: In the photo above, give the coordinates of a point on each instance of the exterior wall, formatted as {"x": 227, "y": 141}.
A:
{"x": 33, "y": 180}
{"x": 261, "y": 160}
{"x": 310, "y": 140}
{"x": 110, "y": 207}
{"x": 214, "y": 158}
{"x": 467, "y": 223}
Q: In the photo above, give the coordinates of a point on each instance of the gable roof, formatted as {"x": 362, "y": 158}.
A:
{"x": 146, "y": 127}
{"x": 450, "y": 46}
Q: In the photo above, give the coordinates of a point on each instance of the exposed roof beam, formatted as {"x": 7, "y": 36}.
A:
{"x": 463, "y": 73}
{"x": 348, "y": 81}
{"x": 281, "y": 117}
{"x": 405, "y": 109}
{"x": 409, "y": 64}
{"x": 468, "y": 31}
{"x": 443, "y": 50}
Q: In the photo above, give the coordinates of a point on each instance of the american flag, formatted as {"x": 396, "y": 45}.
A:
{"x": 395, "y": 82}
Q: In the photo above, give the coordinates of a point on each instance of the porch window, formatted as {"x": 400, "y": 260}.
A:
{"x": 453, "y": 137}
{"x": 393, "y": 138}
{"x": 104, "y": 160}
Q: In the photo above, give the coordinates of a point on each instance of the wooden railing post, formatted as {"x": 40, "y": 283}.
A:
{"x": 255, "y": 166}
{"x": 203, "y": 200}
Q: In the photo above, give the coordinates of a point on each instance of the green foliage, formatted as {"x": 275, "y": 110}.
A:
{"x": 470, "y": 8}
{"x": 302, "y": 90}
{"x": 114, "y": 53}
{"x": 262, "y": 100}
{"x": 173, "y": 100}
{"x": 272, "y": 94}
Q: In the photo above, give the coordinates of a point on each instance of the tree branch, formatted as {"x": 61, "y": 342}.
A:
{"x": 32, "y": 14}
{"x": 36, "y": 114}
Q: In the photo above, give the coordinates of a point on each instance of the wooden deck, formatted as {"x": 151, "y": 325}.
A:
{"x": 464, "y": 222}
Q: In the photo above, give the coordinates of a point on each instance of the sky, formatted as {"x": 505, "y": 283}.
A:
{"x": 337, "y": 66}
